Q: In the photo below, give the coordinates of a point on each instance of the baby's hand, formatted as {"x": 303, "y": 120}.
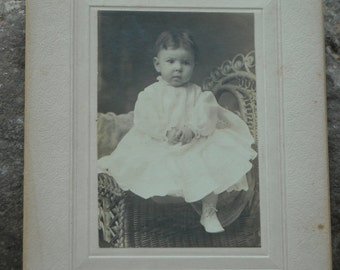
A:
{"x": 174, "y": 135}
{"x": 187, "y": 135}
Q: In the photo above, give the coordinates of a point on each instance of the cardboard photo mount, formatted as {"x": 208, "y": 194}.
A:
{"x": 61, "y": 204}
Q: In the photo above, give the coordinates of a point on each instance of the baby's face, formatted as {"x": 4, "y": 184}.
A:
{"x": 175, "y": 65}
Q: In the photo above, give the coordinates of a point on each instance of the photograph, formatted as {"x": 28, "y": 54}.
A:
{"x": 177, "y": 144}
{"x": 163, "y": 135}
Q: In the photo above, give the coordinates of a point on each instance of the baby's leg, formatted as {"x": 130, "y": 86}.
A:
{"x": 209, "y": 218}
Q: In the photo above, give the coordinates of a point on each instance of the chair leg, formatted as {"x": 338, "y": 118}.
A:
{"x": 107, "y": 235}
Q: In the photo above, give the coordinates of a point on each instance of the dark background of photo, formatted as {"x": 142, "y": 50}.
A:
{"x": 126, "y": 41}
{"x": 12, "y": 96}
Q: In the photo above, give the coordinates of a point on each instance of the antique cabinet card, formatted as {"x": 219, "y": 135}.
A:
{"x": 109, "y": 184}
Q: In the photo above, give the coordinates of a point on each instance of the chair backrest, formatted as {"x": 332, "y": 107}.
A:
{"x": 234, "y": 86}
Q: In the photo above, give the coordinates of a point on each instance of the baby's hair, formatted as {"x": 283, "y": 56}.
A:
{"x": 174, "y": 39}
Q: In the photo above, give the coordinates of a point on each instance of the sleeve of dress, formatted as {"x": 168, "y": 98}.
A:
{"x": 148, "y": 115}
{"x": 204, "y": 115}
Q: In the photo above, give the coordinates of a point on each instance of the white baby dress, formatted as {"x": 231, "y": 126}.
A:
{"x": 215, "y": 160}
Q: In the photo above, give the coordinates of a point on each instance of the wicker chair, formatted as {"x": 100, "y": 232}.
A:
{"x": 126, "y": 220}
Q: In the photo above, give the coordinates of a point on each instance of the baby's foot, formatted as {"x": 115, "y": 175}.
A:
{"x": 210, "y": 220}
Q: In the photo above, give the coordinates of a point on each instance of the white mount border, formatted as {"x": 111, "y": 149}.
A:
{"x": 270, "y": 255}
{"x": 60, "y": 149}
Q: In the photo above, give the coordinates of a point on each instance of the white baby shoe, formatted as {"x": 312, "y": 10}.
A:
{"x": 210, "y": 220}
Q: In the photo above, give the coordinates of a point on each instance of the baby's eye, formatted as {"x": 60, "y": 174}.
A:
{"x": 187, "y": 63}
{"x": 171, "y": 61}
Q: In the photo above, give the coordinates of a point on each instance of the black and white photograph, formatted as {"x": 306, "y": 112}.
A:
{"x": 177, "y": 141}
{"x": 175, "y": 135}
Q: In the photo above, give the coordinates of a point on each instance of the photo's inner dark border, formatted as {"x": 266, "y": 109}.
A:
{"x": 226, "y": 66}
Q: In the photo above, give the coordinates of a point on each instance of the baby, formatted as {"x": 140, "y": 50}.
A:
{"x": 174, "y": 147}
